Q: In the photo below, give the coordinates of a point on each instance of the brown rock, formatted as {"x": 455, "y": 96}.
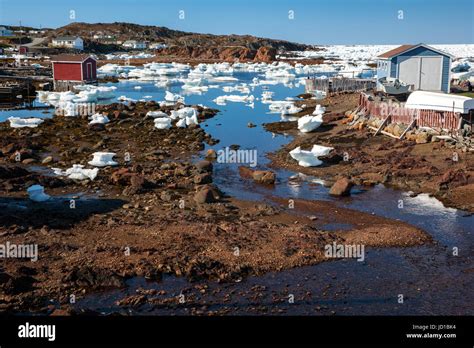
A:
{"x": 204, "y": 166}
{"x": 422, "y": 138}
{"x": 265, "y": 54}
{"x": 211, "y": 154}
{"x": 265, "y": 177}
{"x": 204, "y": 178}
{"x": 341, "y": 187}
{"x": 204, "y": 195}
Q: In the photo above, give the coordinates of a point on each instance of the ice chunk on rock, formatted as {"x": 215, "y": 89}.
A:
{"x": 99, "y": 118}
{"x": 157, "y": 114}
{"x": 16, "y": 122}
{"x": 319, "y": 110}
{"x": 310, "y": 158}
{"x": 77, "y": 172}
{"x": 162, "y": 123}
{"x": 103, "y": 159}
{"x": 36, "y": 193}
{"x": 309, "y": 123}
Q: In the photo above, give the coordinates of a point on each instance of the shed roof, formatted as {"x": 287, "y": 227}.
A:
{"x": 71, "y": 58}
{"x": 439, "y": 101}
{"x": 405, "y": 48}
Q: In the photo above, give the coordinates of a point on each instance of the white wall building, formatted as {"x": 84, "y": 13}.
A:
{"x": 134, "y": 44}
{"x": 69, "y": 42}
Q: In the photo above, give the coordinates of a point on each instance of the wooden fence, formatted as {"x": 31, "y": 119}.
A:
{"x": 399, "y": 114}
{"x": 334, "y": 85}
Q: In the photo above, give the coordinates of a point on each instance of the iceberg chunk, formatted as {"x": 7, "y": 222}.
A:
{"x": 103, "y": 159}
{"x": 310, "y": 158}
{"x": 16, "y": 122}
{"x": 36, "y": 193}
{"x": 309, "y": 123}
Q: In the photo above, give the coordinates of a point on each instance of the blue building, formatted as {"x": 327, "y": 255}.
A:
{"x": 422, "y": 66}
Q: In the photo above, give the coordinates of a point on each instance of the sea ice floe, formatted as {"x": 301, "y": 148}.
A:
{"x": 103, "y": 159}
{"x": 223, "y": 99}
{"x": 17, "y": 122}
{"x": 77, "y": 172}
{"x": 310, "y": 158}
{"x": 173, "y": 98}
{"x": 36, "y": 193}
{"x": 290, "y": 109}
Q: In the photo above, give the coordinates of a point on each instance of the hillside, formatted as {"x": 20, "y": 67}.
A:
{"x": 126, "y": 31}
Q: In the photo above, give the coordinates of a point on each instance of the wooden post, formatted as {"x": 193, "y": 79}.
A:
{"x": 408, "y": 128}
{"x": 382, "y": 125}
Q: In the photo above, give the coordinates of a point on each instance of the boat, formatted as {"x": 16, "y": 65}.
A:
{"x": 393, "y": 86}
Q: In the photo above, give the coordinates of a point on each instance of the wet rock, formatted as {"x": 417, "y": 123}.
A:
{"x": 96, "y": 127}
{"x": 204, "y": 166}
{"x": 453, "y": 178}
{"x": 332, "y": 158}
{"x": 47, "y": 160}
{"x": 264, "y": 177}
{"x": 12, "y": 172}
{"x": 93, "y": 277}
{"x": 251, "y": 125}
{"x": 28, "y": 161}
{"x": 211, "y": 154}
{"x": 204, "y": 178}
{"x": 341, "y": 187}
{"x": 204, "y": 196}
{"x": 207, "y": 194}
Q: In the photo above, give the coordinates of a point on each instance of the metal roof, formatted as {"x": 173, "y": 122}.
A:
{"x": 76, "y": 58}
{"x": 405, "y": 48}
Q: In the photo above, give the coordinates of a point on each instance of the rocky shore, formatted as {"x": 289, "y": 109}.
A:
{"x": 156, "y": 213}
{"x": 419, "y": 163}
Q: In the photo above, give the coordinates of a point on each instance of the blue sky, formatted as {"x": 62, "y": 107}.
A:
{"x": 314, "y": 22}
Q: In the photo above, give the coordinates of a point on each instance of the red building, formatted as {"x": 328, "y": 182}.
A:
{"x": 23, "y": 50}
{"x": 70, "y": 70}
{"x": 79, "y": 67}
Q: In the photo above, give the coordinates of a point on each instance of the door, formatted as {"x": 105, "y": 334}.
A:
{"x": 89, "y": 71}
{"x": 409, "y": 72}
{"x": 431, "y": 71}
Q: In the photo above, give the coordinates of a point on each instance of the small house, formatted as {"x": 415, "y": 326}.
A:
{"x": 23, "y": 50}
{"x": 5, "y": 32}
{"x": 70, "y": 70}
{"x": 134, "y": 44}
{"x": 68, "y": 42}
{"x": 157, "y": 45}
{"x": 421, "y": 66}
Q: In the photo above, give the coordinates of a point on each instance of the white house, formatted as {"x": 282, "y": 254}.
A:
{"x": 69, "y": 42}
{"x": 5, "y": 32}
{"x": 134, "y": 44}
{"x": 157, "y": 45}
